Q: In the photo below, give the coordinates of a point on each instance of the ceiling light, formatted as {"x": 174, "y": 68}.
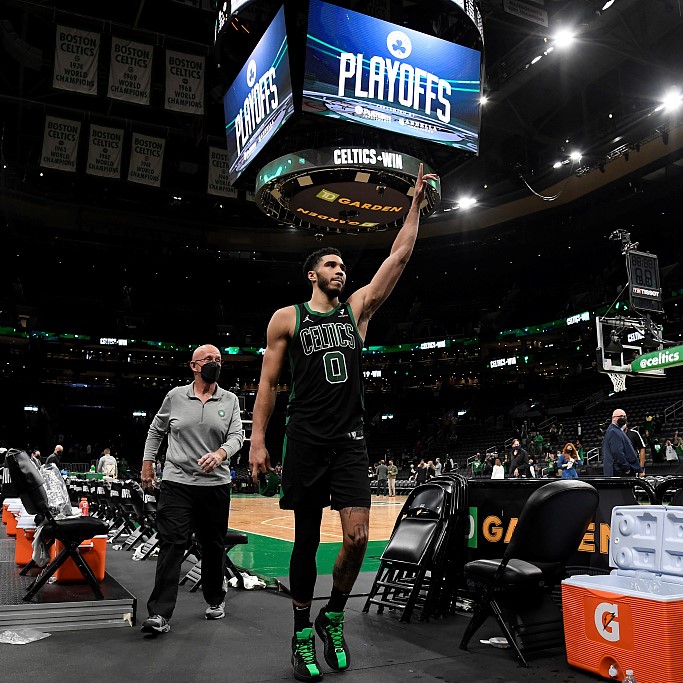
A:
{"x": 467, "y": 202}
{"x": 672, "y": 99}
{"x": 575, "y": 156}
{"x": 607, "y": 5}
{"x": 536, "y": 59}
{"x": 564, "y": 38}
{"x": 557, "y": 164}
{"x": 483, "y": 99}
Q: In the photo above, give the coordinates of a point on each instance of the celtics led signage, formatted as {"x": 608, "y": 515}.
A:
{"x": 368, "y": 71}
{"x": 260, "y": 99}
{"x": 342, "y": 189}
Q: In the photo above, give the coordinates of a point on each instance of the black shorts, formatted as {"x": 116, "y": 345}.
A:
{"x": 318, "y": 476}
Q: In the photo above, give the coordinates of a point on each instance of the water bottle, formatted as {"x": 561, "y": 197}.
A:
{"x": 83, "y": 505}
{"x": 630, "y": 678}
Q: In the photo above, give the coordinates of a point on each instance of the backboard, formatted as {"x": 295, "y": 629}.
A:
{"x": 620, "y": 341}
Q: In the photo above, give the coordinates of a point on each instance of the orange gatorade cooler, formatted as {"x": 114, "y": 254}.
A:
{"x": 94, "y": 553}
{"x": 6, "y": 514}
{"x": 23, "y": 549}
{"x": 14, "y": 509}
{"x": 633, "y": 617}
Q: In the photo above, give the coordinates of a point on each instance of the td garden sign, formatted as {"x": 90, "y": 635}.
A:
{"x": 342, "y": 189}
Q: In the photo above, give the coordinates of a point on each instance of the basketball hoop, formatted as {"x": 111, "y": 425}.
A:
{"x": 618, "y": 380}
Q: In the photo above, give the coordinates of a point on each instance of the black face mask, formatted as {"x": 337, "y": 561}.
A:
{"x": 621, "y": 421}
{"x": 210, "y": 372}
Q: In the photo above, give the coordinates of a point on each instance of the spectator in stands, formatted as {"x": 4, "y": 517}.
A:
{"x": 431, "y": 472}
{"x": 438, "y": 467}
{"x": 670, "y": 452}
{"x": 552, "y": 436}
{"x": 382, "y": 472}
{"x": 35, "y": 457}
{"x": 678, "y": 446}
{"x": 108, "y": 466}
{"x": 638, "y": 446}
{"x": 657, "y": 450}
{"x": 579, "y": 448}
{"x": 392, "y": 472}
{"x": 56, "y": 457}
{"x": 202, "y": 421}
{"x": 498, "y": 470}
{"x": 421, "y": 473}
{"x": 538, "y": 444}
{"x": 569, "y": 462}
{"x": 619, "y": 458}
{"x": 412, "y": 479}
{"x": 477, "y": 466}
{"x": 519, "y": 461}
{"x": 551, "y": 464}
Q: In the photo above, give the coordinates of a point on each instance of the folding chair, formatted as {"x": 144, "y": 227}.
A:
{"x": 411, "y": 552}
{"x": 516, "y": 589}
{"x": 232, "y": 538}
{"x": 70, "y": 533}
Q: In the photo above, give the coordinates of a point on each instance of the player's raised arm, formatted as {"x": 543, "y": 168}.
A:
{"x": 368, "y": 299}
{"x": 278, "y": 336}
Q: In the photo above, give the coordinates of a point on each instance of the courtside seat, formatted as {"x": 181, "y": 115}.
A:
{"x": 30, "y": 487}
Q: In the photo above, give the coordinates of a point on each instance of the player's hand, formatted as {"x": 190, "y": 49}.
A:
{"x": 421, "y": 185}
{"x": 211, "y": 461}
{"x": 259, "y": 461}
{"x": 147, "y": 476}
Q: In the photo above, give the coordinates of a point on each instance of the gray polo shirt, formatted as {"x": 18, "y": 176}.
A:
{"x": 195, "y": 429}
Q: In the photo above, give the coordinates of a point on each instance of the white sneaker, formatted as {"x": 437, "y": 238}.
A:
{"x": 215, "y": 611}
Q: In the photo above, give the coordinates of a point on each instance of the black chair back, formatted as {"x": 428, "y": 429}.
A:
{"x": 566, "y": 504}
{"x": 427, "y": 499}
{"x": 28, "y": 482}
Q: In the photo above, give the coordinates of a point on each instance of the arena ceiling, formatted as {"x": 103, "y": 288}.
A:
{"x": 599, "y": 97}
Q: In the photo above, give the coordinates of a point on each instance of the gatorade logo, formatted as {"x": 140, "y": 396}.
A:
{"x": 606, "y": 621}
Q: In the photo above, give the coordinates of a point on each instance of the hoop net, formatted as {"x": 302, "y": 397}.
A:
{"x": 618, "y": 381}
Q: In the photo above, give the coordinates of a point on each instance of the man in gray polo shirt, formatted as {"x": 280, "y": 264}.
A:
{"x": 204, "y": 430}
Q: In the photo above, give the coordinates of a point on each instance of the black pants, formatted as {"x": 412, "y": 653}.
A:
{"x": 182, "y": 509}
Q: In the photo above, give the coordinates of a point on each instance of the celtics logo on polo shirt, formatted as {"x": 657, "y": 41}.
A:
{"x": 221, "y": 413}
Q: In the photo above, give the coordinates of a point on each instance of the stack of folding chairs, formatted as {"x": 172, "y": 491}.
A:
{"x": 425, "y": 552}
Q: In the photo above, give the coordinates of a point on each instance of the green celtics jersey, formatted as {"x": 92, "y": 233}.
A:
{"x": 326, "y": 398}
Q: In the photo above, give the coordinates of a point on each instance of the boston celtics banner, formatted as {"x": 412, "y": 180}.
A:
{"x": 60, "y": 144}
{"x": 218, "y": 183}
{"x": 104, "y": 152}
{"x": 76, "y": 54}
{"x": 130, "y": 72}
{"x": 146, "y": 160}
{"x": 184, "y": 82}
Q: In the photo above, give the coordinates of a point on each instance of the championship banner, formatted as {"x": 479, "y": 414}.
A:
{"x": 76, "y": 54}
{"x": 60, "y": 144}
{"x": 130, "y": 72}
{"x": 104, "y": 152}
{"x": 146, "y": 160}
{"x": 219, "y": 166}
{"x": 184, "y": 83}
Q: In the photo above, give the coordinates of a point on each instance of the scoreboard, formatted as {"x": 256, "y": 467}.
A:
{"x": 643, "y": 280}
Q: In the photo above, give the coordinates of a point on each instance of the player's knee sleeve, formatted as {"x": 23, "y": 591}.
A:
{"x": 302, "y": 566}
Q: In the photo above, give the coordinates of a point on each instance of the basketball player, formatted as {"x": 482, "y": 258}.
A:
{"x": 325, "y": 460}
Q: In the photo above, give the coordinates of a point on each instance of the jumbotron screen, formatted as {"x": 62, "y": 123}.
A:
{"x": 260, "y": 99}
{"x": 372, "y": 72}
